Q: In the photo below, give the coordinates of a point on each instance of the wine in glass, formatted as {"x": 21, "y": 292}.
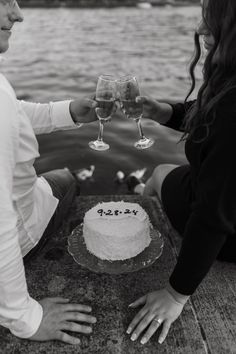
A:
{"x": 128, "y": 92}
{"x": 105, "y": 97}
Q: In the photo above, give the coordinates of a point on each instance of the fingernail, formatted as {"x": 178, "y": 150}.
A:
{"x": 143, "y": 340}
{"x": 129, "y": 330}
{"x": 94, "y": 320}
{"x": 77, "y": 341}
{"x": 130, "y": 305}
{"x": 133, "y": 337}
{"x": 160, "y": 341}
{"x": 89, "y": 309}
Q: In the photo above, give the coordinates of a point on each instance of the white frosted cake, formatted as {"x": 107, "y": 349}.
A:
{"x": 116, "y": 230}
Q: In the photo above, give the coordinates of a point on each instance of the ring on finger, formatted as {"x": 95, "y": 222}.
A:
{"x": 158, "y": 320}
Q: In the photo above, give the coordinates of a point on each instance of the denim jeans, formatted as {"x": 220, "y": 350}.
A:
{"x": 63, "y": 185}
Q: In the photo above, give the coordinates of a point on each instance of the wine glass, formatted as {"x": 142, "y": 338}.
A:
{"x": 128, "y": 92}
{"x": 105, "y": 97}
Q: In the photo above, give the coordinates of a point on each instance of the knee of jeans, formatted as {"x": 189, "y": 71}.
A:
{"x": 68, "y": 180}
{"x": 61, "y": 182}
{"x": 159, "y": 175}
{"x": 161, "y": 171}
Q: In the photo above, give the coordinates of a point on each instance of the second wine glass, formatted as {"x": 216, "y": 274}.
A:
{"x": 128, "y": 92}
{"x": 105, "y": 97}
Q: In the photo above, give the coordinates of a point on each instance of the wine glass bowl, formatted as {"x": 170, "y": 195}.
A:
{"x": 132, "y": 109}
{"x": 128, "y": 92}
{"x": 105, "y": 97}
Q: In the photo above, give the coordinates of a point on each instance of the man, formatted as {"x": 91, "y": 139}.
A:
{"x": 32, "y": 207}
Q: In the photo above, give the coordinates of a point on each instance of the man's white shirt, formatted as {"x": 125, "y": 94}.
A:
{"x": 26, "y": 201}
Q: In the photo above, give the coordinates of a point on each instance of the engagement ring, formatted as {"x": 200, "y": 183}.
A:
{"x": 157, "y": 320}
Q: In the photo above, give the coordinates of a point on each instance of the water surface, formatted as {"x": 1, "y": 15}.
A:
{"x": 58, "y": 53}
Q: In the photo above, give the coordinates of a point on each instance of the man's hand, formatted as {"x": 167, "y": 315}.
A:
{"x": 160, "y": 309}
{"x": 59, "y": 316}
{"x": 83, "y": 110}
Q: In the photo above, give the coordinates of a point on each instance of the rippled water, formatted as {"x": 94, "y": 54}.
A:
{"x": 58, "y": 54}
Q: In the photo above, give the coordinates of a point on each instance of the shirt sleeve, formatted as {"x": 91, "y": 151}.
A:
{"x": 177, "y": 118}
{"x": 49, "y": 117}
{"x": 213, "y": 213}
{"x": 20, "y": 313}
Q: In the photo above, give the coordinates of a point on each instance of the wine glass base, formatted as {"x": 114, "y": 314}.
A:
{"x": 98, "y": 145}
{"x": 144, "y": 143}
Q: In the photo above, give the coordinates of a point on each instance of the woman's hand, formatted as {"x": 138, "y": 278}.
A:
{"x": 83, "y": 110}
{"x": 157, "y": 111}
{"x": 59, "y": 316}
{"x": 160, "y": 309}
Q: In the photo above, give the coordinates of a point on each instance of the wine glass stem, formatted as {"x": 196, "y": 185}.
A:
{"x": 138, "y": 121}
{"x": 100, "y": 133}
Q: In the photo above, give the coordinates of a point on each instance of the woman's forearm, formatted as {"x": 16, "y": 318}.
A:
{"x": 165, "y": 113}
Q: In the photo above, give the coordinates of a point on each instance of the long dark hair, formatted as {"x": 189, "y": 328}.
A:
{"x": 219, "y": 69}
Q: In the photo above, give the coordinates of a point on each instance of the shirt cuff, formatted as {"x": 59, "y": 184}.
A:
{"x": 178, "y": 297}
{"x": 29, "y": 323}
{"x": 61, "y": 116}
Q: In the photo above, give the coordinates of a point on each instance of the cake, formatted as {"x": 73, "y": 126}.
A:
{"x": 116, "y": 230}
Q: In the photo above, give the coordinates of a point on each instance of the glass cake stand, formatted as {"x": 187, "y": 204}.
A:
{"x": 78, "y": 250}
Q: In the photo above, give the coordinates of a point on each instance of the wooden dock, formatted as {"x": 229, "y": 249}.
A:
{"x": 207, "y": 324}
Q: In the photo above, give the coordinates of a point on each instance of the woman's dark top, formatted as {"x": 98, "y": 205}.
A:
{"x": 213, "y": 180}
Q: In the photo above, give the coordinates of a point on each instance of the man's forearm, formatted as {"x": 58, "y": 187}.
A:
{"x": 48, "y": 117}
{"x": 18, "y": 311}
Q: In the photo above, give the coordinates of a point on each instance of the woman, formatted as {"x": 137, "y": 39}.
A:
{"x": 31, "y": 207}
{"x": 199, "y": 198}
